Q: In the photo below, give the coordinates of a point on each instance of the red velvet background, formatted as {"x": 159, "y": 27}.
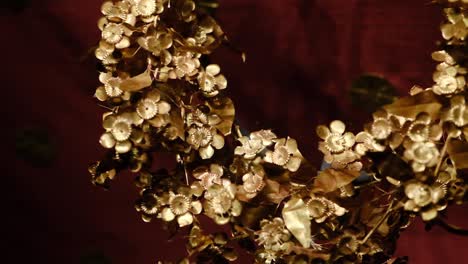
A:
{"x": 301, "y": 57}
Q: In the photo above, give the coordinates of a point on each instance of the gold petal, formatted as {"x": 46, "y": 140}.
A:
{"x": 124, "y": 43}
{"x": 104, "y": 76}
{"x": 429, "y": 214}
{"x": 164, "y": 107}
{"x": 236, "y": 208}
{"x": 154, "y": 95}
{"x": 337, "y": 126}
{"x": 196, "y": 207}
{"x": 108, "y": 122}
{"x": 349, "y": 139}
{"x": 221, "y": 81}
{"x": 220, "y": 220}
{"x": 291, "y": 145}
{"x": 218, "y": 141}
{"x": 167, "y": 215}
{"x": 216, "y": 169}
{"x": 339, "y": 211}
{"x": 146, "y": 7}
{"x": 102, "y": 22}
{"x": 322, "y": 131}
{"x": 293, "y": 164}
{"x": 199, "y": 172}
{"x": 185, "y": 219}
{"x": 101, "y": 94}
{"x": 123, "y": 146}
{"x": 107, "y": 140}
{"x": 206, "y": 152}
{"x": 213, "y": 69}
{"x": 269, "y": 157}
{"x": 197, "y": 189}
{"x": 137, "y": 136}
{"x": 159, "y": 120}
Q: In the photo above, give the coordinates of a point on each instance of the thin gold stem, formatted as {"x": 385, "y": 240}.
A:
{"x": 238, "y": 131}
{"x": 442, "y": 154}
{"x": 384, "y": 217}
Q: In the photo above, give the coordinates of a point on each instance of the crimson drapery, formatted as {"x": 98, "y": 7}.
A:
{"x": 301, "y": 57}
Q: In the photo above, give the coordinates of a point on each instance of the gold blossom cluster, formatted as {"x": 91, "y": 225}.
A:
{"x": 163, "y": 95}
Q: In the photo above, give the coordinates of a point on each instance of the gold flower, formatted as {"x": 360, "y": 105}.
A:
{"x": 104, "y": 53}
{"x": 443, "y": 56}
{"x": 286, "y": 154}
{"x": 337, "y": 145}
{"x": 180, "y": 206}
{"x": 266, "y": 136}
{"x": 421, "y": 155}
{"x": 145, "y": 7}
{"x": 148, "y": 205}
{"x": 120, "y": 132}
{"x": 273, "y": 235}
{"x": 187, "y": 8}
{"x": 153, "y": 109}
{"x": 210, "y": 81}
{"x": 209, "y": 176}
{"x": 203, "y": 139}
{"x": 382, "y": 126}
{"x": 156, "y": 43}
{"x": 458, "y": 112}
{"x": 320, "y": 208}
{"x": 115, "y": 12}
{"x": 116, "y": 34}
{"x": 421, "y": 195}
{"x": 366, "y": 142}
{"x": 111, "y": 86}
{"x": 206, "y": 31}
{"x": 335, "y": 138}
{"x": 186, "y": 65}
{"x": 447, "y": 78}
{"x": 253, "y": 181}
{"x": 221, "y": 203}
{"x": 268, "y": 256}
{"x": 421, "y": 130}
{"x": 250, "y": 147}
{"x": 199, "y": 118}
{"x": 457, "y": 28}
{"x": 255, "y": 144}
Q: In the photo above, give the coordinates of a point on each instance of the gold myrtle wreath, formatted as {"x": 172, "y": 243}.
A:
{"x": 164, "y": 98}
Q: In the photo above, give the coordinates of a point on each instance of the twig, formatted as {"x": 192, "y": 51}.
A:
{"x": 384, "y": 217}
{"x": 442, "y": 154}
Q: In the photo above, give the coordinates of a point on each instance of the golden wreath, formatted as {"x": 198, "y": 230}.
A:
{"x": 164, "y": 96}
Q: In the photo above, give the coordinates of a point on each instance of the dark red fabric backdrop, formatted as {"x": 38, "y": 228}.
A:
{"x": 301, "y": 57}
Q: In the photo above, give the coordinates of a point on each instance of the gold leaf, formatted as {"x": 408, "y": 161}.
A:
{"x": 458, "y": 152}
{"x": 251, "y": 216}
{"x": 274, "y": 192}
{"x": 411, "y": 106}
{"x": 224, "y": 108}
{"x": 137, "y": 83}
{"x": 296, "y": 218}
{"x": 178, "y": 123}
{"x": 330, "y": 180}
